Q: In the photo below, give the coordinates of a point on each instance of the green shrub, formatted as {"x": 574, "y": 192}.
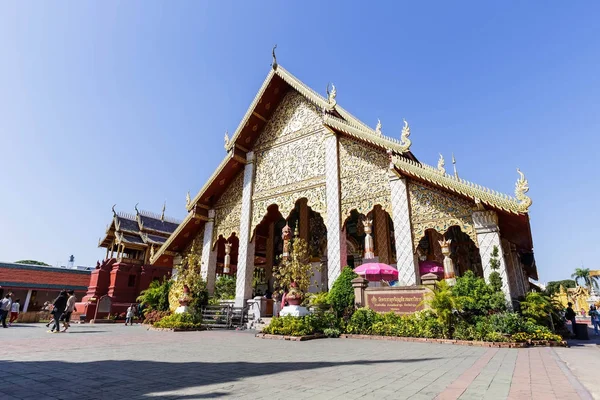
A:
{"x": 341, "y": 295}
{"x": 332, "y": 332}
{"x": 463, "y": 330}
{"x": 289, "y": 326}
{"x": 507, "y": 323}
{"x": 156, "y": 297}
{"x": 180, "y": 321}
{"x": 319, "y": 301}
{"x": 362, "y": 321}
{"x": 225, "y": 287}
{"x": 477, "y": 297}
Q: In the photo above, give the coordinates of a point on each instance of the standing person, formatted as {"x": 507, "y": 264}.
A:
{"x": 5, "y": 306}
{"x": 140, "y": 312}
{"x": 595, "y": 316}
{"x": 130, "y": 314}
{"x": 69, "y": 310}
{"x": 60, "y": 303}
{"x": 14, "y": 311}
{"x": 570, "y": 316}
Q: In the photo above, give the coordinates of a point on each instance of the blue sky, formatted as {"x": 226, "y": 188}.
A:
{"x": 126, "y": 102}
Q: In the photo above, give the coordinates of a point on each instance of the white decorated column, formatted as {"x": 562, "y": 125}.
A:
{"x": 408, "y": 267}
{"x": 209, "y": 256}
{"x": 488, "y": 237}
{"x": 243, "y": 287}
{"x": 333, "y": 223}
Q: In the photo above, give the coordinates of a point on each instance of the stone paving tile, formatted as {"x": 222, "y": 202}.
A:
{"x": 108, "y": 362}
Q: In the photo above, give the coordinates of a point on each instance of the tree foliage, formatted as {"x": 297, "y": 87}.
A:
{"x": 156, "y": 297}
{"x": 554, "y": 286}
{"x": 477, "y": 297}
{"x": 32, "y": 262}
{"x": 341, "y": 295}
{"x": 225, "y": 287}
{"x": 495, "y": 278}
{"x": 296, "y": 268}
{"x": 444, "y": 303}
{"x": 588, "y": 279}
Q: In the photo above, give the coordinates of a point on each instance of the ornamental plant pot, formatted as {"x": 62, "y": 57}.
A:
{"x": 294, "y": 297}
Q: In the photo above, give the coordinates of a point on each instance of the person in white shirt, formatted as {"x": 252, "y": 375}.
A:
{"x": 14, "y": 311}
{"x": 129, "y": 315}
{"x": 5, "y": 306}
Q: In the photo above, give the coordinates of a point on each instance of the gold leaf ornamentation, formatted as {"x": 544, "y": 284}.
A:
{"x": 229, "y": 208}
{"x": 433, "y": 209}
{"x": 364, "y": 180}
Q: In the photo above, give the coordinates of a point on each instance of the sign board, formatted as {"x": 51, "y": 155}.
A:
{"x": 104, "y": 304}
{"x": 399, "y": 300}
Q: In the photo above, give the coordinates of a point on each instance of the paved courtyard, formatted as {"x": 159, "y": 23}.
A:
{"x": 114, "y": 362}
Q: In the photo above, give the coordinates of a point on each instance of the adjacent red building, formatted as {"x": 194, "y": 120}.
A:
{"x": 130, "y": 240}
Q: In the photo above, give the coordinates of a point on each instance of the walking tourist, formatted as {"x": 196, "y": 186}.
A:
{"x": 60, "y": 303}
{"x": 595, "y": 316}
{"x": 570, "y": 316}
{"x": 48, "y": 308}
{"x": 130, "y": 314}
{"x": 14, "y": 311}
{"x": 69, "y": 310}
{"x": 140, "y": 311}
{"x": 5, "y": 306}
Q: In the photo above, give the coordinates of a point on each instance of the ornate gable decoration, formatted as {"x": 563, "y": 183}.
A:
{"x": 364, "y": 180}
{"x": 433, "y": 209}
{"x": 228, "y": 209}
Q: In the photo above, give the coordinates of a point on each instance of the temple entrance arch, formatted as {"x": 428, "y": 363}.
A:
{"x": 464, "y": 252}
{"x": 227, "y": 247}
{"x": 381, "y": 245}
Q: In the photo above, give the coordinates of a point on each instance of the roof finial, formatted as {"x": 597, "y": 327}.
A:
{"x": 188, "y": 200}
{"x": 113, "y": 210}
{"x": 226, "y": 140}
{"x": 441, "y": 164}
{"x": 522, "y": 187}
{"x": 162, "y": 216}
{"x": 405, "y": 141}
{"x": 331, "y": 95}
{"x": 136, "y": 209}
{"x": 378, "y": 127}
{"x": 454, "y": 165}
{"x": 274, "y": 64}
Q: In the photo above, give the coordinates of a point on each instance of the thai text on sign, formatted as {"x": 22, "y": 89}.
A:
{"x": 399, "y": 302}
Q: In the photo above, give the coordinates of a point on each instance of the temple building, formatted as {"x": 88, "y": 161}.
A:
{"x": 130, "y": 241}
{"x": 299, "y": 159}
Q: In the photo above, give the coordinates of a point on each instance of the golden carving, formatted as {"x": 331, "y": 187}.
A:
{"x": 331, "y": 95}
{"x": 405, "y": 141}
{"x": 293, "y": 117}
{"x": 522, "y": 187}
{"x": 441, "y": 164}
{"x": 227, "y": 140}
{"x": 434, "y": 209}
{"x": 364, "y": 181}
{"x": 228, "y": 209}
{"x": 378, "y": 128}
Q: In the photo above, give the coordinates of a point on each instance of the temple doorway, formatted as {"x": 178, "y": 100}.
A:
{"x": 379, "y": 223}
{"x": 464, "y": 252}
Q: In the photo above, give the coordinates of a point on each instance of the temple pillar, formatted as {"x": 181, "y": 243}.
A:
{"x": 27, "y": 300}
{"x": 245, "y": 265}
{"x": 303, "y": 220}
{"x": 333, "y": 223}
{"x": 408, "y": 267}
{"x": 488, "y": 237}
{"x": 208, "y": 268}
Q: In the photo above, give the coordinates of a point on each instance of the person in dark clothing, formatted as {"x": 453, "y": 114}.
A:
{"x": 60, "y": 303}
{"x": 570, "y": 316}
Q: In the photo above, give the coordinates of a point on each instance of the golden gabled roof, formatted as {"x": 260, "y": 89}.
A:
{"x": 463, "y": 187}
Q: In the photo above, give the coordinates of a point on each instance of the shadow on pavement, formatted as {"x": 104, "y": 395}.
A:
{"x": 133, "y": 377}
{"x": 594, "y": 340}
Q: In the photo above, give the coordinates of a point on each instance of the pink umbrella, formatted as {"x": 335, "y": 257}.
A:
{"x": 431, "y": 267}
{"x": 375, "y": 272}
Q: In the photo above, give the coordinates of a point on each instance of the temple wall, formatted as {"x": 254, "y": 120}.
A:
{"x": 364, "y": 180}
{"x": 433, "y": 209}
{"x": 290, "y": 159}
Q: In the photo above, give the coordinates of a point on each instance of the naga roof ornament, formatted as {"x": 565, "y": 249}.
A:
{"x": 378, "y": 127}
{"x": 331, "y": 95}
{"x": 113, "y": 210}
{"x": 136, "y": 209}
{"x": 227, "y": 140}
{"x": 404, "y": 140}
{"x": 454, "y": 165}
{"x": 441, "y": 164}
{"x": 188, "y": 199}
{"x": 522, "y": 187}
{"x": 274, "y": 63}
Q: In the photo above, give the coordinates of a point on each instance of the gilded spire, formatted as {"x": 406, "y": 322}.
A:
{"x": 188, "y": 199}
{"x": 378, "y": 127}
{"x": 274, "y": 63}
{"x": 454, "y": 165}
{"x": 441, "y": 164}
{"x": 405, "y": 141}
{"x": 162, "y": 215}
{"x": 522, "y": 187}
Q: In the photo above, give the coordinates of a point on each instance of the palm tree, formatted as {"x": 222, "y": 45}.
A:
{"x": 584, "y": 274}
